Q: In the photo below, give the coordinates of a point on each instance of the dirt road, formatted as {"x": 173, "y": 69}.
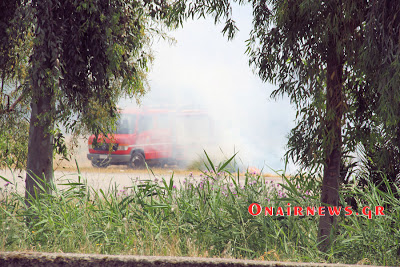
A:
{"x": 104, "y": 178}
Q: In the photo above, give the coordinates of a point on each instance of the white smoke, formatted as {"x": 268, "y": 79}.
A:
{"x": 205, "y": 70}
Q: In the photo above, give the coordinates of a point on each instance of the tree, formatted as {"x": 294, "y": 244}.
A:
{"x": 309, "y": 48}
{"x": 85, "y": 55}
{"x": 381, "y": 66}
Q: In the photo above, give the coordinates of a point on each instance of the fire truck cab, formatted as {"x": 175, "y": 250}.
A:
{"x": 152, "y": 136}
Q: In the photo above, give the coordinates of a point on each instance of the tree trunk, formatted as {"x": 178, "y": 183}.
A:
{"x": 40, "y": 146}
{"x": 43, "y": 81}
{"x": 330, "y": 182}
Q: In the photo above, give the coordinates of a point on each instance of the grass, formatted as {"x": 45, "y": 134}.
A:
{"x": 207, "y": 218}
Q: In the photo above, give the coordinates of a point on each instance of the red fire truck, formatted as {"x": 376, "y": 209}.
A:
{"x": 152, "y": 136}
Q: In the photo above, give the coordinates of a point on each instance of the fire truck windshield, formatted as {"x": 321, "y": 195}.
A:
{"x": 126, "y": 124}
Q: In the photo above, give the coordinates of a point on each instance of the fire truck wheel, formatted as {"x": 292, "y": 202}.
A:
{"x": 137, "y": 161}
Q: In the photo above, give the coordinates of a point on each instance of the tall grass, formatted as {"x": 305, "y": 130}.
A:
{"x": 207, "y": 217}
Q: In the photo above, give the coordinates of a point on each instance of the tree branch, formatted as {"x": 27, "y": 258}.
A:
{"x": 13, "y": 105}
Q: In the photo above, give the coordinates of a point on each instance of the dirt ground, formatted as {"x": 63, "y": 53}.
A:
{"x": 112, "y": 176}
{"x": 120, "y": 176}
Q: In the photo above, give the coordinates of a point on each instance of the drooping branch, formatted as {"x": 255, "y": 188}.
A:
{"x": 11, "y": 107}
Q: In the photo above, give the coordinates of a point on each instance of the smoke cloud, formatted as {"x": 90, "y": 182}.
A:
{"x": 204, "y": 70}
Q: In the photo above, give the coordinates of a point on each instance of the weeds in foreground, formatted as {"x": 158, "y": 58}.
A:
{"x": 207, "y": 217}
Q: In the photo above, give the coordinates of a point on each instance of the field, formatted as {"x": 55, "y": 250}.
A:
{"x": 207, "y": 216}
